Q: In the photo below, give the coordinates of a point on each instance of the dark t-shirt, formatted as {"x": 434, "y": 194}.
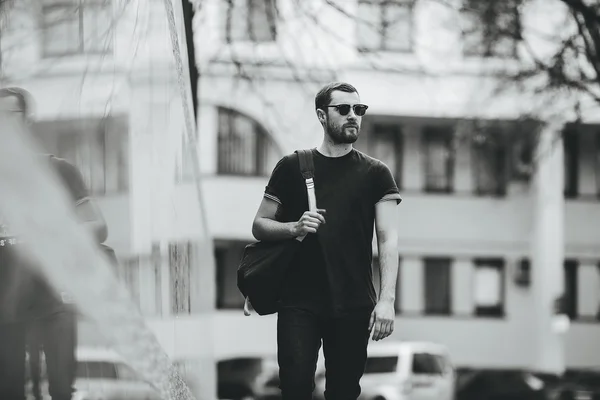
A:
{"x": 23, "y": 293}
{"x": 332, "y": 273}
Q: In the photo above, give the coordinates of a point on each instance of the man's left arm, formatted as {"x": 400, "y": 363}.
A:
{"x": 386, "y": 228}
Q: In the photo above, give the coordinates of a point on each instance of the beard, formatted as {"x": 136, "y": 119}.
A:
{"x": 345, "y": 134}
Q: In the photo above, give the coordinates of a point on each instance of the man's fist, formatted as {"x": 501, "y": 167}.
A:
{"x": 309, "y": 223}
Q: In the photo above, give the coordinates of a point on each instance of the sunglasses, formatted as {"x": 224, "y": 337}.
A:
{"x": 344, "y": 109}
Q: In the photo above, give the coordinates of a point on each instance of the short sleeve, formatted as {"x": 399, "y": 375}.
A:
{"x": 278, "y": 187}
{"x": 72, "y": 179}
{"x": 385, "y": 188}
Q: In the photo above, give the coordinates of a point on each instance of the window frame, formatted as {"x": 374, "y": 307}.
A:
{"x": 107, "y": 139}
{"x": 571, "y": 288}
{"x": 227, "y": 253}
{"x": 445, "y": 133}
{"x": 497, "y": 311}
{"x": 79, "y": 7}
{"x": 180, "y": 258}
{"x": 489, "y": 40}
{"x": 369, "y": 138}
{"x": 430, "y": 263}
{"x": 263, "y": 143}
{"x": 480, "y": 154}
{"x": 382, "y": 24}
{"x": 249, "y": 36}
{"x": 570, "y": 139}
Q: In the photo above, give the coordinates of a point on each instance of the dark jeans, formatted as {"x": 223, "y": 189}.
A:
{"x": 299, "y": 337}
{"x": 57, "y": 334}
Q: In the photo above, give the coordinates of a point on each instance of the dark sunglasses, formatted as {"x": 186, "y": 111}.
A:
{"x": 344, "y": 109}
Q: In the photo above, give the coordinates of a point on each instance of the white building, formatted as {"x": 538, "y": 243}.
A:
{"x": 467, "y": 221}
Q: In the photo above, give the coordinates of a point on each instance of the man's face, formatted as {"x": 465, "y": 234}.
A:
{"x": 342, "y": 129}
{"x": 12, "y": 105}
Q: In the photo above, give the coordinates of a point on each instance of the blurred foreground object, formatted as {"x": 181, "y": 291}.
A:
{"x": 37, "y": 209}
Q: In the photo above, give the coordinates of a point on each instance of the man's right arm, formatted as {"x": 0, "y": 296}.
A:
{"x": 266, "y": 227}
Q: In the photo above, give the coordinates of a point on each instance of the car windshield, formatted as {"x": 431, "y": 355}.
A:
{"x": 381, "y": 364}
{"x": 96, "y": 370}
{"x": 428, "y": 364}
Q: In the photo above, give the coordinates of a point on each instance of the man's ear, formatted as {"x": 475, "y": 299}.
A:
{"x": 321, "y": 115}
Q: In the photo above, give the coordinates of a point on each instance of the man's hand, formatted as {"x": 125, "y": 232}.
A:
{"x": 309, "y": 223}
{"x": 382, "y": 320}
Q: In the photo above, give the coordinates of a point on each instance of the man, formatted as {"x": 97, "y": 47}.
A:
{"x": 27, "y": 301}
{"x": 328, "y": 293}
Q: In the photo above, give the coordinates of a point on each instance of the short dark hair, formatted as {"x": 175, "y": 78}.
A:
{"x": 24, "y": 98}
{"x": 323, "y": 98}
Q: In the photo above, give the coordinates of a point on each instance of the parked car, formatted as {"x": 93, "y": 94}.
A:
{"x": 576, "y": 384}
{"x": 490, "y": 384}
{"x": 242, "y": 378}
{"x": 496, "y": 384}
{"x": 404, "y": 371}
{"x": 102, "y": 374}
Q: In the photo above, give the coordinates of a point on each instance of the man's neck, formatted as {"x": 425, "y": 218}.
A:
{"x": 334, "y": 150}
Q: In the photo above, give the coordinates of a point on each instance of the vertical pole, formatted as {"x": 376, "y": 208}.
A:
{"x": 202, "y": 285}
{"x": 547, "y": 249}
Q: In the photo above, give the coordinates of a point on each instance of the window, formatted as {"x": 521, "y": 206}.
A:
{"x": 437, "y": 286}
{"x": 522, "y": 139}
{"x": 439, "y": 159}
{"x": 180, "y": 277}
{"x": 571, "y": 158}
{"x": 99, "y": 149}
{"x": 384, "y": 142}
{"x": 489, "y": 287}
{"x": 250, "y": 20}
{"x": 571, "y": 288}
{"x": 227, "y": 257}
{"x": 244, "y": 147}
{"x": 492, "y": 28}
{"x": 129, "y": 274}
{"x": 489, "y": 162}
{"x": 426, "y": 364}
{"x": 76, "y": 27}
{"x": 384, "y": 25}
{"x": 141, "y": 275}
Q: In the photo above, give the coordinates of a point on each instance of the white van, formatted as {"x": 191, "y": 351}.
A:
{"x": 404, "y": 371}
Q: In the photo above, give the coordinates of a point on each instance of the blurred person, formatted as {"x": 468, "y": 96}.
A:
{"x": 28, "y": 304}
{"x": 328, "y": 292}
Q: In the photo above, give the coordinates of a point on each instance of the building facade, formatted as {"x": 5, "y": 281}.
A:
{"x": 460, "y": 154}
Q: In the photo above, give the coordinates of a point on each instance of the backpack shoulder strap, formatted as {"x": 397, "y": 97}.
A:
{"x": 307, "y": 166}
